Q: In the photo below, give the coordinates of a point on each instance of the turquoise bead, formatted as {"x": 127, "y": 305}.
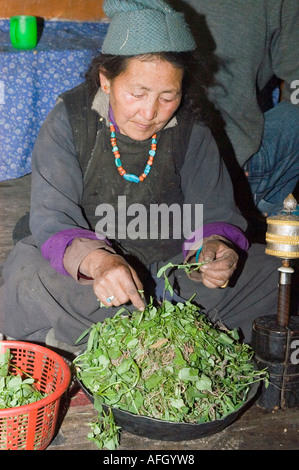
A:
{"x": 147, "y": 169}
{"x": 117, "y": 162}
{"x": 113, "y": 134}
{"x": 154, "y": 141}
{"x": 114, "y": 149}
{"x": 132, "y": 178}
{"x": 152, "y": 153}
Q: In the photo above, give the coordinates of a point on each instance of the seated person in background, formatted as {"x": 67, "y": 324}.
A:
{"x": 251, "y": 45}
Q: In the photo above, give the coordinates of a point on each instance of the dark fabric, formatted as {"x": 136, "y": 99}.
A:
{"x": 43, "y": 299}
{"x": 21, "y": 229}
{"x": 83, "y": 120}
{"x": 102, "y": 184}
{"x": 57, "y": 176}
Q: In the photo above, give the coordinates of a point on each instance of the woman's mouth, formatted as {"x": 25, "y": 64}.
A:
{"x": 143, "y": 127}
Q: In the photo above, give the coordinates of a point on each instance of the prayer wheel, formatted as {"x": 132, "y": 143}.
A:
{"x": 275, "y": 338}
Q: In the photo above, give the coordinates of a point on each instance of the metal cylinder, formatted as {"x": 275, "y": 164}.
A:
{"x": 282, "y": 237}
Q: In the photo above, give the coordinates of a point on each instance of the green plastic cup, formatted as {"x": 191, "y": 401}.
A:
{"x": 23, "y": 31}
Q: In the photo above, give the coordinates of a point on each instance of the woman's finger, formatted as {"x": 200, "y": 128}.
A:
{"x": 119, "y": 286}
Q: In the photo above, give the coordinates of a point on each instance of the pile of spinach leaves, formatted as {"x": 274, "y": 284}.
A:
{"x": 168, "y": 362}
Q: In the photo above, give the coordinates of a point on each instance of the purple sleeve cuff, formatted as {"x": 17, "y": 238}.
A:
{"x": 231, "y": 232}
{"x": 54, "y": 248}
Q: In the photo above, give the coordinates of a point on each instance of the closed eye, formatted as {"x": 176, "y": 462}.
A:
{"x": 137, "y": 96}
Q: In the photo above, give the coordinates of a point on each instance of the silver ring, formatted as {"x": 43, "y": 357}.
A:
{"x": 109, "y": 299}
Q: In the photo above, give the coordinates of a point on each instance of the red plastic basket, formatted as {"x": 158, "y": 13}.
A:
{"x": 32, "y": 427}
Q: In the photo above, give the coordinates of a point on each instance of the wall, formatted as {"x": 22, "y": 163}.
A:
{"x": 83, "y": 10}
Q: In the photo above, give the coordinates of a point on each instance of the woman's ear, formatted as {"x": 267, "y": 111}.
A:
{"x": 105, "y": 83}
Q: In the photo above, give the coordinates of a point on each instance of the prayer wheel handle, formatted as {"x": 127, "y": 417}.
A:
{"x": 284, "y": 293}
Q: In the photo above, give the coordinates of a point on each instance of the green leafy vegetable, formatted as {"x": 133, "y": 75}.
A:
{"x": 171, "y": 372}
{"x": 15, "y": 390}
{"x": 104, "y": 432}
{"x": 168, "y": 362}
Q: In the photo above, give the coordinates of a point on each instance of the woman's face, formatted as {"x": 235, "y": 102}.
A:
{"x": 144, "y": 97}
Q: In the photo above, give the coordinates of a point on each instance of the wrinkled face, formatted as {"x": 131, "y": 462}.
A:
{"x": 144, "y": 97}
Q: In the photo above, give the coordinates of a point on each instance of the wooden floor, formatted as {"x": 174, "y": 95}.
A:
{"x": 256, "y": 429}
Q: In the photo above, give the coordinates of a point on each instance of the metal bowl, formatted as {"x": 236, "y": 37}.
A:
{"x": 152, "y": 428}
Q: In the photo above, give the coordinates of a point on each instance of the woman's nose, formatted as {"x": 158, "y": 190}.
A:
{"x": 149, "y": 110}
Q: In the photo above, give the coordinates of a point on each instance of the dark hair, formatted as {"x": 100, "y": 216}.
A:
{"x": 195, "y": 78}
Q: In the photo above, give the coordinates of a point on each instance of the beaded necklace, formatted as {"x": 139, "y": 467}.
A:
{"x": 121, "y": 171}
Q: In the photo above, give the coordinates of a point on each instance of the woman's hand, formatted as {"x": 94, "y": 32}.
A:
{"x": 221, "y": 261}
{"x": 113, "y": 278}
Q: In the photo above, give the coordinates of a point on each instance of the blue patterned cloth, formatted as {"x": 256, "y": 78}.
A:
{"x": 30, "y": 82}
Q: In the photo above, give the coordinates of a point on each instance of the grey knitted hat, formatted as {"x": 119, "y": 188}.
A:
{"x": 145, "y": 26}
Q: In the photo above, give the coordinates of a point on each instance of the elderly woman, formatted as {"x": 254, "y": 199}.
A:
{"x": 130, "y": 140}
